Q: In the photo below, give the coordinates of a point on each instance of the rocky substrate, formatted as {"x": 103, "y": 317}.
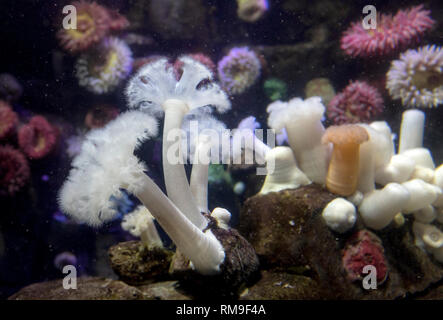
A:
{"x": 300, "y": 258}
{"x": 291, "y": 239}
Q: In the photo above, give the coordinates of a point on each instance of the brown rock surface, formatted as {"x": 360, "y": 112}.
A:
{"x": 89, "y": 288}
{"x": 290, "y": 237}
{"x": 136, "y": 264}
{"x": 95, "y": 288}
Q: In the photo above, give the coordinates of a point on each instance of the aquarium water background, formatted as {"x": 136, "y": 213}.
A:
{"x": 293, "y": 42}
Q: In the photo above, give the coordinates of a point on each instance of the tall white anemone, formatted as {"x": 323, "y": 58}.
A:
{"x": 245, "y": 142}
{"x": 107, "y": 164}
{"x": 155, "y": 89}
{"x": 206, "y": 141}
{"x": 302, "y": 120}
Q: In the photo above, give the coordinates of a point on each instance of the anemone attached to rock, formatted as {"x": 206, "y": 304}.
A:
{"x": 302, "y": 120}
{"x": 417, "y": 77}
{"x": 358, "y": 102}
{"x": 103, "y": 68}
{"x": 391, "y": 33}
{"x": 343, "y": 168}
{"x": 140, "y": 223}
{"x": 94, "y": 22}
{"x": 37, "y": 138}
{"x": 107, "y": 164}
{"x": 238, "y": 70}
{"x": 156, "y": 90}
{"x": 282, "y": 171}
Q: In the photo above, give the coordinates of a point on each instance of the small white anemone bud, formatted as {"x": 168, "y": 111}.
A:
{"x": 399, "y": 219}
{"x": 222, "y": 216}
{"x": 399, "y": 170}
{"x": 340, "y": 215}
{"x": 422, "y": 195}
{"x": 140, "y": 223}
{"x": 379, "y": 207}
{"x": 431, "y": 236}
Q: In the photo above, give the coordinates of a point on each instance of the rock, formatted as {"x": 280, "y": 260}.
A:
{"x": 166, "y": 290}
{"x": 95, "y": 288}
{"x": 136, "y": 264}
{"x": 89, "y": 288}
{"x": 412, "y": 270}
{"x": 290, "y": 237}
{"x": 315, "y": 53}
{"x": 239, "y": 269}
{"x": 434, "y": 293}
{"x": 282, "y": 286}
{"x": 179, "y": 20}
{"x": 279, "y": 224}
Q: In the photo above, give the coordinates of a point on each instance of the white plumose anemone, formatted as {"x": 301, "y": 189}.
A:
{"x": 104, "y": 165}
{"x": 156, "y": 90}
{"x": 204, "y": 145}
{"x": 140, "y": 223}
{"x": 107, "y": 164}
{"x": 302, "y": 120}
{"x": 417, "y": 77}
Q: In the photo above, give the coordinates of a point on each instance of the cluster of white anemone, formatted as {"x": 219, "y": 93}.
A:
{"x": 389, "y": 185}
{"x": 107, "y": 164}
